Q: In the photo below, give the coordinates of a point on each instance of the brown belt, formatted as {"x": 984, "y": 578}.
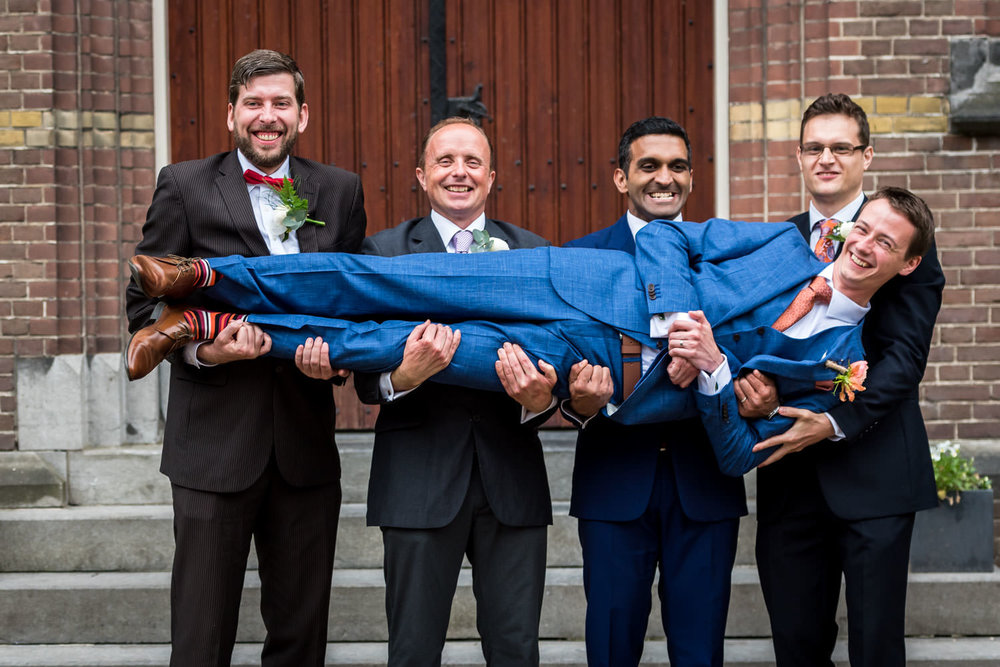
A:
{"x": 631, "y": 364}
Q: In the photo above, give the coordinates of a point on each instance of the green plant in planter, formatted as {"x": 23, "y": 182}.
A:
{"x": 954, "y": 473}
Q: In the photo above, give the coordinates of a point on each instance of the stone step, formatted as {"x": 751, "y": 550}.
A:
{"x": 139, "y": 538}
{"x": 130, "y": 475}
{"x": 920, "y": 651}
{"x": 56, "y": 608}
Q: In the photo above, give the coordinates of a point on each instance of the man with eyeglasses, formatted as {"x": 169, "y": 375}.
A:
{"x": 828, "y": 510}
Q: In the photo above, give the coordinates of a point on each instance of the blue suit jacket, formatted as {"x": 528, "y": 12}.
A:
{"x": 565, "y": 285}
{"x": 616, "y": 464}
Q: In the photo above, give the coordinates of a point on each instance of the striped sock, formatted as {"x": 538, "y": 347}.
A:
{"x": 206, "y": 324}
{"x": 205, "y": 276}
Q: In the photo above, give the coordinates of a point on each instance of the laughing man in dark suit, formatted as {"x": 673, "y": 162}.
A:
{"x": 458, "y": 472}
{"x": 249, "y": 443}
{"x": 826, "y": 510}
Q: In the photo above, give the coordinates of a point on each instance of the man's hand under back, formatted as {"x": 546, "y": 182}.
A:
{"x": 529, "y": 386}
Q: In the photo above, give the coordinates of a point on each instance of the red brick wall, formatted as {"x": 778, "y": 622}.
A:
{"x": 76, "y": 175}
{"x": 892, "y": 56}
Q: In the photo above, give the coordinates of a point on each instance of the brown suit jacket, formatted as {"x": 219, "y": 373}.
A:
{"x": 225, "y": 422}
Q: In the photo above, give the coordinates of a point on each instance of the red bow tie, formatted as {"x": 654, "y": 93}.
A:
{"x": 254, "y": 178}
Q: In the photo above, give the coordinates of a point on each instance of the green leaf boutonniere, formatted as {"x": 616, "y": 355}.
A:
{"x": 482, "y": 242}
{"x": 291, "y": 213}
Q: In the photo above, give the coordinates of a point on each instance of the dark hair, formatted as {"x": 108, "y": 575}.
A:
{"x": 261, "y": 62}
{"x": 640, "y": 128}
{"x": 837, "y": 104}
{"x": 914, "y": 209}
{"x": 454, "y": 120}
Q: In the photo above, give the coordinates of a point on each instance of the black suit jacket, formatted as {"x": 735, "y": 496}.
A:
{"x": 883, "y": 466}
{"x": 224, "y": 422}
{"x": 427, "y": 441}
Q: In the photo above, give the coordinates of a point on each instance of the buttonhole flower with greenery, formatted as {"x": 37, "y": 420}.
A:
{"x": 482, "y": 242}
{"x": 849, "y": 379}
{"x": 291, "y": 213}
{"x": 954, "y": 473}
{"x": 840, "y": 232}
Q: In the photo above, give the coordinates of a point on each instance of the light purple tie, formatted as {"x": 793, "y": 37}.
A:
{"x": 462, "y": 241}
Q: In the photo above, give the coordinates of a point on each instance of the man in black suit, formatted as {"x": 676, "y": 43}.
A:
{"x": 249, "y": 443}
{"x": 843, "y": 503}
{"x": 458, "y": 471}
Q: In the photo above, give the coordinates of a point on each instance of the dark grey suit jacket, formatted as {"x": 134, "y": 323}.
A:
{"x": 427, "y": 441}
{"x": 225, "y": 422}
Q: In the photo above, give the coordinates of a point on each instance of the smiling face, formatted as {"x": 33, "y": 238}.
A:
{"x": 833, "y": 181}
{"x": 659, "y": 177}
{"x": 456, "y": 173}
{"x": 874, "y": 252}
{"x": 266, "y": 120}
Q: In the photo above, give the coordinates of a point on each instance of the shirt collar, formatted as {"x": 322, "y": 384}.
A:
{"x": 842, "y": 308}
{"x": 635, "y": 223}
{"x": 282, "y": 171}
{"x": 845, "y": 214}
{"x": 446, "y": 228}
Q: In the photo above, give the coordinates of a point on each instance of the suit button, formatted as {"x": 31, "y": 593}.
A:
{"x": 725, "y": 412}
{"x": 736, "y": 338}
{"x": 651, "y": 290}
{"x": 476, "y": 419}
{"x": 760, "y": 331}
{"x": 279, "y": 369}
{"x": 659, "y": 345}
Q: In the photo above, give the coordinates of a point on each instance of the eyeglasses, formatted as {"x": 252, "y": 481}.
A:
{"x": 840, "y": 150}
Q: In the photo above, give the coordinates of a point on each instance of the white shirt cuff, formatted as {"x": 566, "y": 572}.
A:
{"x": 527, "y": 415}
{"x": 386, "y": 391}
{"x": 712, "y": 383}
{"x": 190, "y": 354}
{"x": 659, "y": 325}
{"x": 838, "y": 434}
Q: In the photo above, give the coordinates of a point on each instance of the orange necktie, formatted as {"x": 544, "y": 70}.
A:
{"x": 824, "y": 247}
{"x": 817, "y": 290}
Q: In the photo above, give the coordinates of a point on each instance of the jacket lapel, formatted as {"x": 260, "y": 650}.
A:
{"x": 233, "y": 189}
{"x": 621, "y": 237}
{"x": 307, "y": 188}
{"x": 425, "y": 237}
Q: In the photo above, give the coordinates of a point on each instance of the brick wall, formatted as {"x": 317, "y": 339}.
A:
{"x": 76, "y": 175}
{"x": 892, "y": 57}
{"x": 76, "y": 166}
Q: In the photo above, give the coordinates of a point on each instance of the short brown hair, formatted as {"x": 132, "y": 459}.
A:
{"x": 454, "y": 120}
{"x": 837, "y": 104}
{"x": 914, "y": 209}
{"x": 261, "y": 62}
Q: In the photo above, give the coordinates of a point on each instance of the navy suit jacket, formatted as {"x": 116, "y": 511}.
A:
{"x": 616, "y": 464}
{"x": 883, "y": 467}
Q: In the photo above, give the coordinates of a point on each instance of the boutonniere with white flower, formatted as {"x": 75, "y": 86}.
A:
{"x": 849, "y": 379}
{"x": 291, "y": 213}
{"x": 840, "y": 232}
{"x": 482, "y": 242}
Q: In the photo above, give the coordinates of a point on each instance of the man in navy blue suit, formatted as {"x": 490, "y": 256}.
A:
{"x": 825, "y": 512}
{"x": 650, "y": 496}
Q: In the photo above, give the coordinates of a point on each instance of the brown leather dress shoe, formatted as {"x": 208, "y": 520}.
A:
{"x": 170, "y": 277}
{"x": 151, "y": 344}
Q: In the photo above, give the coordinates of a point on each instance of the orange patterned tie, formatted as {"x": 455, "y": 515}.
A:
{"x": 824, "y": 247}
{"x": 817, "y": 290}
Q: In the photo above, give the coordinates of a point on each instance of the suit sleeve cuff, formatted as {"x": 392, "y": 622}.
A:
{"x": 838, "y": 433}
{"x": 527, "y": 415}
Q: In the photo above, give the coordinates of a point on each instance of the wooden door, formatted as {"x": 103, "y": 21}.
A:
{"x": 561, "y": 81}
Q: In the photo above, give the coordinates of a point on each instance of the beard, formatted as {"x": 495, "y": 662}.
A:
{"x": 244, "y": 143}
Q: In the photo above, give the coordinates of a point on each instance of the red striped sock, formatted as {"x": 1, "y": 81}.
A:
{"x": 206, "y": 324}
{"x": 206, "y": 277}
